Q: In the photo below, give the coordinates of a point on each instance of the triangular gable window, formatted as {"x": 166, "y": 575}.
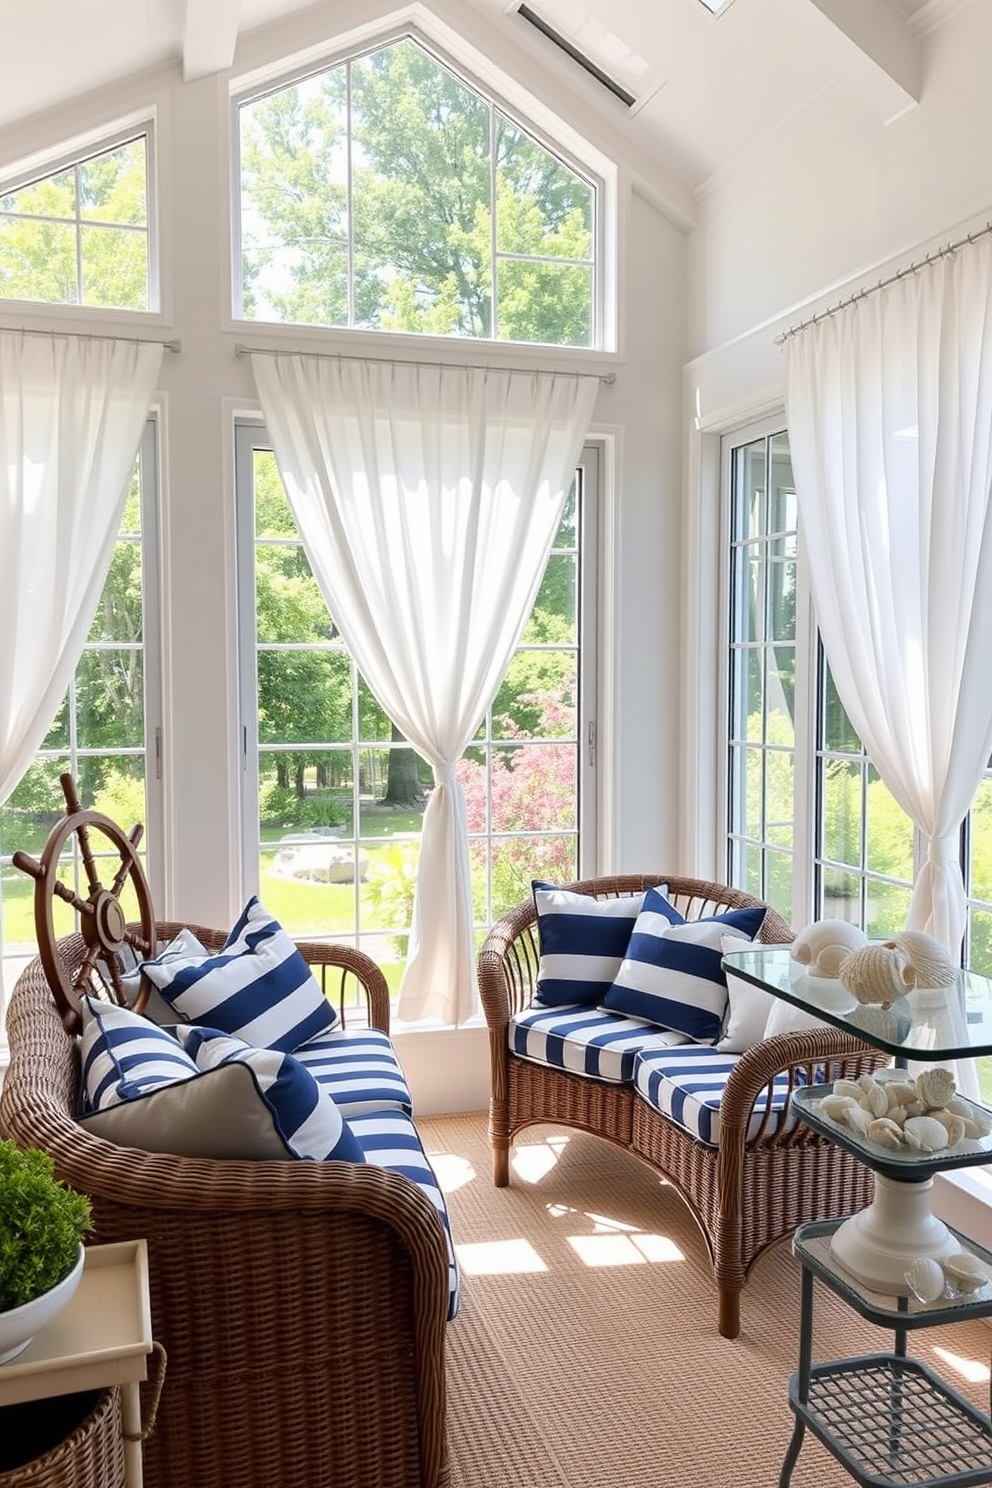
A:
{"x": 79, "y": 235}
{"x": 386, "y": 193}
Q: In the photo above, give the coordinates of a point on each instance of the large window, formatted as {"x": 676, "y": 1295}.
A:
{"x": 105, "y": 733}
{"x": 386, "y": 193}
{"x": 335, "y": 796}
{"x": 810, "y": 826}
{"x": 79, "y": 235}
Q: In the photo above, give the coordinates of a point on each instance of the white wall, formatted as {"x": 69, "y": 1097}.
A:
{"x": 834, "y": 194}
{"x": 207, "y": 383}
{"x": 831, "y": 202}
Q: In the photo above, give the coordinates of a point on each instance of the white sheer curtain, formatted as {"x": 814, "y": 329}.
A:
{"x": 71, "y": 414}
{"x": 427, "y": 499}
{"x": 889, "y": 405}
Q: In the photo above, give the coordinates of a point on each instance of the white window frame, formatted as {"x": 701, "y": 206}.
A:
{"x": 77, "y": 152}
{"x": 593, "y": 602}
{"x": 153, "y": 843}
{"x": 585, "y": 161}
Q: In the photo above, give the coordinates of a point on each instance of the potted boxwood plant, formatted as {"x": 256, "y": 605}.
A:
{"x": 42, "y": 1224}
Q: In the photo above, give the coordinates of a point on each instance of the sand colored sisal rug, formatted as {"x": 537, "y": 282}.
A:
{"x": 586, "y": 1354}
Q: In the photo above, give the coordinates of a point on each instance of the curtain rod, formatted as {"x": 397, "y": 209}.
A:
{"x": 871, "y": 289}
{"x": 241, "y": 349}
{"x": 94, "y": 336}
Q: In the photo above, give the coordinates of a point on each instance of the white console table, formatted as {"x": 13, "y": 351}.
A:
{"x": 102, "y": 1337}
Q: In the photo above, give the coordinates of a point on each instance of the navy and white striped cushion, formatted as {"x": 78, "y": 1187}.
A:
{"x": 672, "y": 974}
{"x": 360, "y": 1069}
{"x": 258, "y": 987}
{"x": 124, "y": 1056}
{"x": 582, "y": 942}
{"x": 687, "y": 1085}
{"x": 390, "y": 1140}
{"x": 586, "y": 1041}
{"x": 304, "y": 1115}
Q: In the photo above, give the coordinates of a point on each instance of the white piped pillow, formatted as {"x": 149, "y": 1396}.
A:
{"x": 748, "y": 1007}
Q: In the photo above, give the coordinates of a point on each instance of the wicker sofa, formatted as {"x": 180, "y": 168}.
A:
{"x": 764, "y": 1176}
{"x": 302, "y": 1306}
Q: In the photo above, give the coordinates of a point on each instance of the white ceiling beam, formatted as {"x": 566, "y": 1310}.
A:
{"x": 883, "y": 54}
{"x": 210, "y": 35}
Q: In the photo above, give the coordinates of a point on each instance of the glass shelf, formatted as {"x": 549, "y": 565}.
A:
{"x": 932, "y": 1023}
{"x": 902, "y": 1163}
{"x": 811, "y": 1246}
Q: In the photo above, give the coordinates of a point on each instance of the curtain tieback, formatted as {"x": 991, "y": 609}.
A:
{"x": 942, "y": 852}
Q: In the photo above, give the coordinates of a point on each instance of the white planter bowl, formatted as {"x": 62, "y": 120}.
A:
{"x": 20, "y": 1324}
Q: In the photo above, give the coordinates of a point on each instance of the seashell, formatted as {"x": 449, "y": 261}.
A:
{"x": 858, "y": 1119}
{"x": 875, "y": 1100}
{"x": 924, "y": 1134}
{"x": 823, "y": 945}
{"x": 898, "y": 1114}
{"x": 925, "y": 1279}
{"x": 848, "y": 1087}
{"x": 879, "y": 972}
{"x": 915, "y": 1108}
{"x": 952, "y": 1123}
{"x": 974, "y": 1116}
{"x": 837, "y": 1107}
{"x": 885, "y": 1132}
{"x": 889, "y": 1073}
{"x": 900, "y": 1092}
{"x": 966, "y": 1271}
{"x": 928, "y": 958}
{"x": 893, "y": 1022}
{"x": 935, "y": 1087}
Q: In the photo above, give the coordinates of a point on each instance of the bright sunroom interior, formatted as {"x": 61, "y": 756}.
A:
{"x": 441, "y": 186}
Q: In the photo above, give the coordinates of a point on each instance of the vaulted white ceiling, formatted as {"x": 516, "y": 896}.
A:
{"x": 707, "y": 89}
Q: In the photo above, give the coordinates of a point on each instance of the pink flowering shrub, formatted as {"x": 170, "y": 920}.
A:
{"x": 530, "y": 787}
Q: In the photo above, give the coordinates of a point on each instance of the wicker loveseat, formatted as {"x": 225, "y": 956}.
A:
{"x": 764, "y": 1176}
{"x": 302, "y": 1306}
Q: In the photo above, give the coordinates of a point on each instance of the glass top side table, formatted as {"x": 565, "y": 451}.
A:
{"x": 937, "y": 1023}
{"x": 878, "y": 1244}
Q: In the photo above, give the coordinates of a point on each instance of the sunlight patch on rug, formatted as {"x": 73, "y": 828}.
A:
{"x": 532, "y": 1161}
{"x": 451, "y": 1171}
{"x": 499, "y": 1258}
{"x": 624, "y": 1250}
{"x": 967, "y": 1369}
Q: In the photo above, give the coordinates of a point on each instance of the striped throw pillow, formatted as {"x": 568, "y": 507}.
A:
{"x": 124, "y": 1056}
{"x": 258, "y": 987}
{"x": 582, "y": 942}
{"x": 672, "y": 974}
{"x": 305, "y": 1117}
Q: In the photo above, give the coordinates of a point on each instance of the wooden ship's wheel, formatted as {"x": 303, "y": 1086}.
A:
{"x": 113, "y": 947}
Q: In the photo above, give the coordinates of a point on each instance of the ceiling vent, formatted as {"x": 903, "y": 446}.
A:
{"x": 602, "y": 77}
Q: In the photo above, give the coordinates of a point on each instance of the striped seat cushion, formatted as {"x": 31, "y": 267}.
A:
{"x": 586, "y": 1041}
{"x": 390, "y": 1140}
{"x": 360, "y": 1069}
{"x": 687, "y": 1084}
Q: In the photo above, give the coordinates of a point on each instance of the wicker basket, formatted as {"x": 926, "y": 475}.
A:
{"x": 90, "y": 1456}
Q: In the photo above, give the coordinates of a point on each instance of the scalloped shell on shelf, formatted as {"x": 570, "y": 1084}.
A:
{"x": 966, "y": 1271}
{"x": 878, "y": 973}
{"x": 822, "y": 946}
{"x": 935, "y": 1087}
{"x": 925, "y": 1134}
{"x": 930, "y": 962}
{"x": 885, "y": 1132}
{"x": 925, "y": 1278}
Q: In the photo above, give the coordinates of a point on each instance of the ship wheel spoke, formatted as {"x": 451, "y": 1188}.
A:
{"x": 95, "y": 961}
